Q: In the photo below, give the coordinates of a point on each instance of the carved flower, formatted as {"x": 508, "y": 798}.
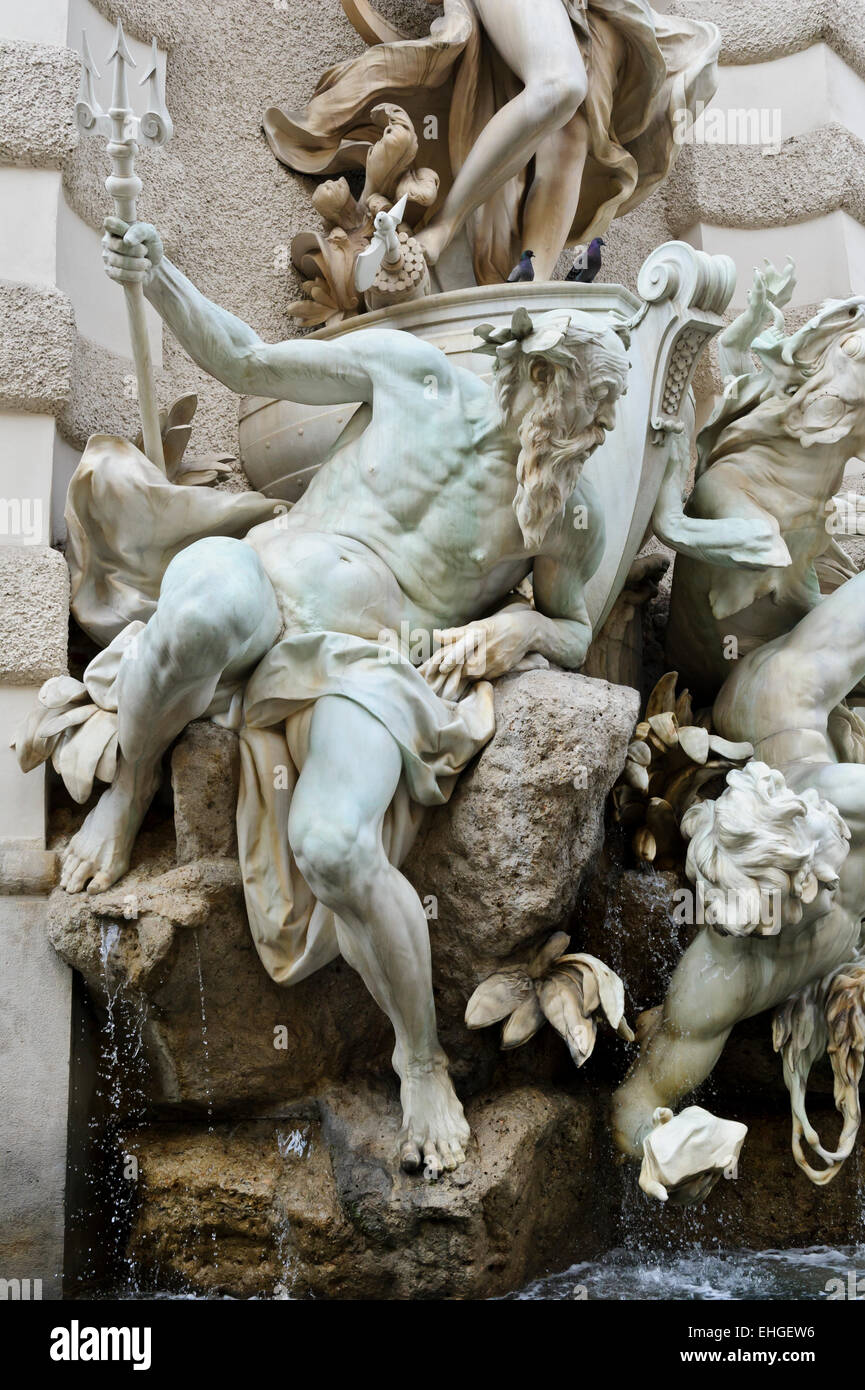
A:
{"x": 523, "y": 335}
{"x": 564, "y": 990}
{"x": 673, "y": 760}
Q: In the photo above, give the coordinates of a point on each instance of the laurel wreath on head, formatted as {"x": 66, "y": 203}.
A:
{"x": 523, "y": 336}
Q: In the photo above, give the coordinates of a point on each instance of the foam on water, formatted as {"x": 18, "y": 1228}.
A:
{"x": 723, "y": 1275}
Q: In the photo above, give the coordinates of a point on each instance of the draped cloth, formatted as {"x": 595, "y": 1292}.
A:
{"x": 645, "y": 72}
{"x": 125, "y": 522}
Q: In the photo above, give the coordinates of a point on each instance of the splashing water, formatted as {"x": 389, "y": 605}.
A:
{"x": 294, "y": 1143}
{"x": 728, "y": 1275}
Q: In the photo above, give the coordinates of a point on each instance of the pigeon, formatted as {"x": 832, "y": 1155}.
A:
{"x": 586, "y": 266}
{"x": 523, "y": 270}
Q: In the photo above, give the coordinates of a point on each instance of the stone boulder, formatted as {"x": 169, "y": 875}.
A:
{"x": 310, "y": 1205}
{"x": 505, "y": 859}
{"x": 501, "y": 863}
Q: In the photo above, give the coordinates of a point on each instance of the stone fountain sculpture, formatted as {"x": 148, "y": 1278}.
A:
{"x": 455, "y": 489}
{"x": 799, "y": 410}
{"x": 543, "y": 122}
{"x": 427, "y": 516}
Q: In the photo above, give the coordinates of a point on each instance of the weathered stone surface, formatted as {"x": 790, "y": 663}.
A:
{"x": 25, "y": 871}
{"x": 172, "y": 945}
{"x": 506, "y": 857}
{"x": 755, "y": 33}
{"x": 742, "y": 186}
{"x": 34, "y": 601}
{"x": 38, "y": 83}
{"x": 312, "y": 1203}
{"x": 205, "y": 774}
{"x": 504, "y": 861}
{"x": 37, "y": 348}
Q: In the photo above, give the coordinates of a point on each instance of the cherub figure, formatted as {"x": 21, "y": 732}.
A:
{"x": 780, "y": 861}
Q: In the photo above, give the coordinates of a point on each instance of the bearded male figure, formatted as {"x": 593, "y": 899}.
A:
{"x": 430, "y": 511}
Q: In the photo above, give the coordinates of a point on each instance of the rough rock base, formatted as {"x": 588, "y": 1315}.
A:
{"x": 312, "y": 1205}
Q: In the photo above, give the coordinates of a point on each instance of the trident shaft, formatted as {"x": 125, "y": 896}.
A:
{"x": 125, "y": 132}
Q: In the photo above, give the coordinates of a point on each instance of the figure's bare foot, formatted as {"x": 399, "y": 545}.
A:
{"x": 98, "y": 855}
{"x": 433, "y": 240}
{"x": 434, "y": 1133}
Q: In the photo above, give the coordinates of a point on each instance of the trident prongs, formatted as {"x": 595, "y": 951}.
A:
{"x": 155, "y": 126}
{"x": 120, "y": 57}
{"x": 124, "y": 130}
{"x": 87, "y": 108}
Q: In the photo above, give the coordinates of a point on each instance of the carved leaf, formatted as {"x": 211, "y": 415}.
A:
{"x": 392, "y": 154}
{"x": 421, "y": 186}
{"x": 497, "y": 996}
{"x": 605, "y": 985}
{"x": 552, "y": 948}
{"x": 695, "y": 742}
{"x": 561, "y": 999}
{"x": 523, "y": 1023}
{"x": 663, "y": 698}
{"x": 665, "y": 728}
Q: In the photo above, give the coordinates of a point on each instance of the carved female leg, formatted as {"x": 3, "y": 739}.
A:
{"x": 552, "y": 201}
{"x": 335, "y": 831}
{"x": 538, "y": 44}
{"x": 217, "y": 616}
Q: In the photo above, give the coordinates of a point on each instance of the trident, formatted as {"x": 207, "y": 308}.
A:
{"x": 125, "y": 132}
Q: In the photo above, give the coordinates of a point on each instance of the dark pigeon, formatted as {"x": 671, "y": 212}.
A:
{"x": 523, "y": 270}
{"x": 585, "y": 274}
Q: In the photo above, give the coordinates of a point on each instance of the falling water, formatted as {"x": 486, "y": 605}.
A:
{"x": 205, "y": 1046}
{"x": 294, "y": 1143}
{"x": 207, "y": 1082}
{"x": 103, "y": 1175}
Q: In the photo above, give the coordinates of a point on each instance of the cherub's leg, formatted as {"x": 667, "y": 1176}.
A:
{"x": 538, "y": 44}
{"x": 217, "y": 616}
{"x": 552, "y": 201}
{"x": 335, "y": 830}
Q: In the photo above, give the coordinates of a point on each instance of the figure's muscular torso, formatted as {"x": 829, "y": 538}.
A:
{"x": 395, "y": 530}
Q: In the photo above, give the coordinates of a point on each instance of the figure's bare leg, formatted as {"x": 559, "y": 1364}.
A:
{"x": 217, "y": 616}
{"x": 554, "y": 196}
{"x": 537, "y": 42}
{"x": 335, "y": 829}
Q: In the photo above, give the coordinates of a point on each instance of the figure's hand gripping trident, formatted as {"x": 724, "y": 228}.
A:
{"x": 125, "y": 132}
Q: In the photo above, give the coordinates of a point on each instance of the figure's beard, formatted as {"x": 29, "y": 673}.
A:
{"x": 548, "y": 470}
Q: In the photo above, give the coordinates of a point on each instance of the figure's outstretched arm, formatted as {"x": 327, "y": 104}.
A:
{"x": 314, "y": 373}
{"x": 772, "y": 289}
{"x": 753, "y": 542}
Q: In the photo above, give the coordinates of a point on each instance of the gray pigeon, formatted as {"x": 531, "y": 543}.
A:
{"x": 585, "y": 274}
{"x": 523, "y": 270}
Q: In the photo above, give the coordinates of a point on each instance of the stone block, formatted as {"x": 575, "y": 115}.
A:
{"x": 34, "y": 601}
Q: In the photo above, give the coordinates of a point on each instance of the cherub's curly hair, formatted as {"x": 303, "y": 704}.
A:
{"x": 761, "y": 840}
